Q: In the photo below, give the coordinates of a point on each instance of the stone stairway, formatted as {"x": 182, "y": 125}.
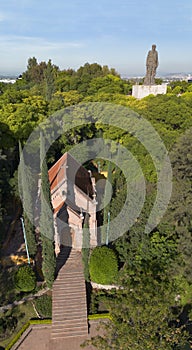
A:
{"x": 69, "y": 310}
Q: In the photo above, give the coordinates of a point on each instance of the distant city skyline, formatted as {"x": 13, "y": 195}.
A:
{"x": 114, "y": 33}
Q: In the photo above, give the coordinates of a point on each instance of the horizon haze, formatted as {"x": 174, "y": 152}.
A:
{"x": 117, "y": 34}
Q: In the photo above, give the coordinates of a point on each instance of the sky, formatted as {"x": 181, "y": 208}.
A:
{"x": 117, "y": 33}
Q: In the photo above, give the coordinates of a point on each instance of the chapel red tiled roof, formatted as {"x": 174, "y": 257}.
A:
{"x": 68, "y": 168}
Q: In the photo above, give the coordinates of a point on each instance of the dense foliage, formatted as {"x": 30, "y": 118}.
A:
{"x": 155, "y": 269}
{"x": 44, "y": 306}
{"x": 103, "y": 265}
{"x": 46, "y": 222}
{"x": 25, "y": 280}
{"x": 86, "y": 247}
{"x": 26, "y": 187}
{"x": 7, "y": 326}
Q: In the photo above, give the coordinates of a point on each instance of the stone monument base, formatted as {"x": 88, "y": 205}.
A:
{"x": 140, "y": 91}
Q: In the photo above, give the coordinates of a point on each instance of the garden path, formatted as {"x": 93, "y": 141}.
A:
{"x": 22, "y": 301}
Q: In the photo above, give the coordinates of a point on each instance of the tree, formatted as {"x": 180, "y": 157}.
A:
{"x": 109, "y": 84}
{"x": 22, "y": 116}
{"x": 119, "y": 192}
{"x": 106, "y": 208}
{"x": 7, "y": 166}
{"x": 35, "y": 71}
{"x": 86, "y": 247}
{"x": 183, "y": 85}
{"x": 7, "y": 326}
{"x": 142, "y": 317}
{"x": 26, "y": 187}
{"x": 69, "y": 98}
{"x": 31, "y": 68}
{"x": 50, "y": 76}
{"x": 63, "y": 80}
{"x": 180, "y": 209}
{"x": 82, "y": 79}
{"x": 145, "y": 313}
{"x": 46, "y": 220}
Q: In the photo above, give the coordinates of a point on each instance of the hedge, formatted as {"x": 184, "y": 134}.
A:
{"x": 24, "y": 328}
{"x": 47, "y": 321}
{"x": 99, "y": 316}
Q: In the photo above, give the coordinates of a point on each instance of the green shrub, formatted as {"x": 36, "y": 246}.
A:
{"x": 44, "y": 305}
{"x": 7, "y": 326}
{"x": 25, "y": 279}
{"x": 103, "y": 265}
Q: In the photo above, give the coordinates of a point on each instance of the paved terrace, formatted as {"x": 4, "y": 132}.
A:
{"x": 39, "y": 338}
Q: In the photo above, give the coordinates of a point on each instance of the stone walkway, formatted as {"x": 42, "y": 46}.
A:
{"x": 69, "y": 310}
{"x": 22, "y": 301}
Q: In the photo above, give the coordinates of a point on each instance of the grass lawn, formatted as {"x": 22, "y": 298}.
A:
{"x": 23, "y": 313}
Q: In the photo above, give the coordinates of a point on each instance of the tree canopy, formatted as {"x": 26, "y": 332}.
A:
{"x": 154, "y": 268}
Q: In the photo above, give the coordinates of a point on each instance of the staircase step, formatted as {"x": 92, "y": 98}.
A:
{"x": 67, "y": 297}
{"x": 65, "y": 317}
{"x": 65, "y": 292}
{"x": 63, "y": 281}
{"x": 69, "y": 282}
{"x": 70, "y": 322}
{"x": 72, "y": 313}
{"x": 69, "y": 314}
{"x": 68, "y": 272}
{"x": 69, "y": 285}
{"x": 72, "y": 304}
{"x": 69, "y": 276}
{"x": 74, "y": 300}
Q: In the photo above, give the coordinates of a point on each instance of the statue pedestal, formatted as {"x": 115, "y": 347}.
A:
{"x": 140, "y": 91}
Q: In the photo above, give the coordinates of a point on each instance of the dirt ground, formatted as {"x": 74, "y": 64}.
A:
{"x": 14, "y": 243}
{"x": 39, "y": 339}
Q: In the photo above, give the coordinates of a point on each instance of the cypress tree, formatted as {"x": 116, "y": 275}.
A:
{"x": 46, "y": 221}
{"x": 106, "y": 208}
{"x": 26, "y": 186}
{"x": 86, "y": 247}
{"x": 49, "y": 80}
